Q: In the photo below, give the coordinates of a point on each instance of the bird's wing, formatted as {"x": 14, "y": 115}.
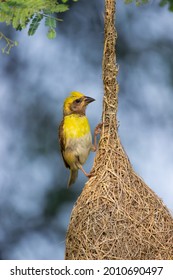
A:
{"x": 62, "y": 142}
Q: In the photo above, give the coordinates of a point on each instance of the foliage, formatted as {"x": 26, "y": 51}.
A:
{"x": 29, "y": 13}
{"x": 138, "y": 2}
{"x": 169, "y": 2}
{"x": 162, "y": 3}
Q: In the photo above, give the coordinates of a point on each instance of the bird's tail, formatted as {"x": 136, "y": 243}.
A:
{"x": 72, "y": 178}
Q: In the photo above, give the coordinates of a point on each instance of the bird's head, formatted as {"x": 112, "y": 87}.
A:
{"x": 76, "y": 103}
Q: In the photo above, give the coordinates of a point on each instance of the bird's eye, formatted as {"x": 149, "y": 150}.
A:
{"x": 78, "y": 100}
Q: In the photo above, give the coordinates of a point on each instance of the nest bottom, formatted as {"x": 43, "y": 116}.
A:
{"x": 117, "y": 216}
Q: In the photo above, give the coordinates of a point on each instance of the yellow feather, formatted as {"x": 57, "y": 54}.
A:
{"x": 75, "y": 126}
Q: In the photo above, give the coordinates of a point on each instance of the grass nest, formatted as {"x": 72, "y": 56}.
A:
{"x": 117, "y": 216}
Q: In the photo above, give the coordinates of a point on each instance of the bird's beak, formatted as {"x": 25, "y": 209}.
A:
{"x": 88, "y": 99}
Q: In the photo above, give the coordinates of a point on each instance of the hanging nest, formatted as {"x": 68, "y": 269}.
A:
{"x": 117, "y": 216}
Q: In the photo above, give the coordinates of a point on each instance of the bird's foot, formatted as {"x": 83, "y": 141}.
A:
{"x": 98, "y": 129}
{"x": 84, "y": 172}
{"x": 89, "y": 175}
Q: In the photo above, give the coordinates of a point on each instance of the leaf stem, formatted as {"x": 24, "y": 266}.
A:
{"x": 9, "y": 43}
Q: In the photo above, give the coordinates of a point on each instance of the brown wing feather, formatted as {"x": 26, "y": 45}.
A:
{"x": 62, "y": 142}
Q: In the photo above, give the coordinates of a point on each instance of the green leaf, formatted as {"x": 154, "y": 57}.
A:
{"x": 50, "y": 22}
{"x": 128, "y": 1}
{"x": 19, "y": 27}
{"x": 61, "y": 8}
{"x": 22, "y": 13}
{"x": 35, "y": 24}
{"x": 16, "y": 4}
{"x": 138, "y": 2}
{"x": 51, "y": 34}
{"x": 163, "y": 3}
{"x": 167, "y": 2}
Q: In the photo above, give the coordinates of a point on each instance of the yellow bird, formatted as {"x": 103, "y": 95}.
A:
{"x": 75, "y": 135}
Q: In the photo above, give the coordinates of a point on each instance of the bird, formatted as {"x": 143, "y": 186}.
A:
{"x": 75, "y": 134}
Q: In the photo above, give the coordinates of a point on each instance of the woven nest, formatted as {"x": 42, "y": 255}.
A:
{"x": 117, "y": 216}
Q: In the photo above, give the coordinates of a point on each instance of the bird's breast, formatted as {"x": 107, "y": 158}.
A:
{"x": 75, "y": 126}
{"x": 78, "y": 139}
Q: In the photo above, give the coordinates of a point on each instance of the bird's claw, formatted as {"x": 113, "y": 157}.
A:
{"x": 89, "y": 175}
{"x": 98, "y": 129}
